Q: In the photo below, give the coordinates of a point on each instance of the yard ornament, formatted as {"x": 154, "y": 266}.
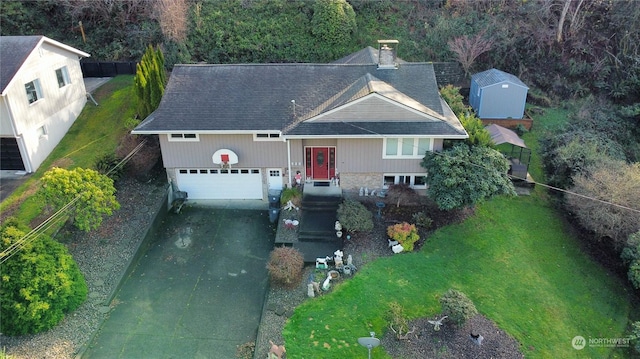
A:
{"x": 437, "y": 323}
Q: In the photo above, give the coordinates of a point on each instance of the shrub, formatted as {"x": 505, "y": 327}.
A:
{"x": 396, "y": 318}
{"x": 631, "y": 257}
{"x": 292, "y": 194}
{"x": 401, "y": 193}
{"x": 422, "y": 220}
{"x": 140, "y": 164}
{"x": 354, "y": 216}
{"x": 285, "y": 266}
{"x": 521, "y": 130}
{"x": 107, "y": 165}
{"x": 457, "y": 306}
{"x": 40, "y": 282}
{"x": 406, "y": 234}
{"x": 635, "y": 335}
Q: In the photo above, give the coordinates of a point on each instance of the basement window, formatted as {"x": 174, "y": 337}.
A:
{"x": 416, "y": 181}
{"x": 183, "y": 137}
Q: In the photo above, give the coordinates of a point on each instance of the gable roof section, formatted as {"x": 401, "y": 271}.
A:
{"x": 366, "y": 56}
{"x": 14, "y": 51}
{"x": 246, "y": 98}
{"x": 494, "y": 76}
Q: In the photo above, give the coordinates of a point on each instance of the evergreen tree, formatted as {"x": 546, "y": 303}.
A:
{"x": 150, "y": 81}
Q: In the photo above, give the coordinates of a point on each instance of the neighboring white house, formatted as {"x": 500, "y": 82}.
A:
{"x": 42, "y": 95}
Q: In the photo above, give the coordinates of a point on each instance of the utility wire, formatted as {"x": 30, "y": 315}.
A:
{"x": 511, "y": 176}
{"x": 57, "y": 216}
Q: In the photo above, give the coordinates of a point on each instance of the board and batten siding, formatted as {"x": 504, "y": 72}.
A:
{"x": 365, "y": 156}
{"x": 262, "y": 154}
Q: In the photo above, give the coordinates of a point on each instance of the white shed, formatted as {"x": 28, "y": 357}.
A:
{"x": 495, "y": 94}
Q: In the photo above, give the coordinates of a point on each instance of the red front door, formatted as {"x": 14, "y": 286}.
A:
{"x": 321, "y": 162}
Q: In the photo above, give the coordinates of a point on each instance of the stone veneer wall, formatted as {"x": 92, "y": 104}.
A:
{"x": 353, "y": 181}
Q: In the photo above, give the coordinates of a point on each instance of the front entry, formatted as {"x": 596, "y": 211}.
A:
{"x": 320, "y": 162}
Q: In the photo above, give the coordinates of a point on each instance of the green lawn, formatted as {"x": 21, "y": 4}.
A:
{"x": 95, "y": 132}
{"x": 514, "y": 258}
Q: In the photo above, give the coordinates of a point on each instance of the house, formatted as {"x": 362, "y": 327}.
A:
{"x": 495, "y": 94}
{"x": 42, "y": 95}
{"x": 237, "y": 131}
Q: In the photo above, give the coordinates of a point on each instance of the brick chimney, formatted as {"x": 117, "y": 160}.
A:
{"x": 387, "y": 58}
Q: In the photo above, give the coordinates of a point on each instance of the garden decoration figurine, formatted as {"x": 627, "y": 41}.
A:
{"x": 476, "y": 338}
{"x": 298, "y": 178}
{"x": 289, "y": 206}
{"x": 338, "y": 258}
{"x": 310, "y": 291}
{"x": 437, "y": 323}
{"x": 276, "y": 351}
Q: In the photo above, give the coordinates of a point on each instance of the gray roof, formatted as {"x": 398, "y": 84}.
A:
{"x": 258, "y": 97}
{"x": 494, "y": 76}
{"x": 366, "y": 56}
{"x": 500, "y": 135}
{"x": 14, "y": 50}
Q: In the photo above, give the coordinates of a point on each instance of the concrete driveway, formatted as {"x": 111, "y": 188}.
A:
{"x": 198, "y": 292}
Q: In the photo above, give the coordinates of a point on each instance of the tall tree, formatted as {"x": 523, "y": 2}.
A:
{"x": 150, "y": 81}
{"x": 467, "y": 49}
{"x": 333, "y": 23}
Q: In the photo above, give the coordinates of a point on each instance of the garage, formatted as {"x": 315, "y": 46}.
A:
{"x": 240, "y": 183}
{"x": 10, "y": 158}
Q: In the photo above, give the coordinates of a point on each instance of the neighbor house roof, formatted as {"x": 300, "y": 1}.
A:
{"x": 14, "y": 51}
{"x": 494, "y": 76}
{"x": 284, "y": 97}
{"x": 366, "y": 56}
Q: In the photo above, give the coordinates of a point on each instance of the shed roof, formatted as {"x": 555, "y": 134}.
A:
{"x": 501, "y": 135}
{"x": 14, "y": 51}
{"x": 495, "y": 76}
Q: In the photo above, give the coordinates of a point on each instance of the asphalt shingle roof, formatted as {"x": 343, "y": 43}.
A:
{"x": 14, "y": 50}
{"x": 495, "y": 76}
{"x": 258, "y": 97}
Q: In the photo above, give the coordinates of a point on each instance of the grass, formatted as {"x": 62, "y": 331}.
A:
{"x": 515, "y": 259}
{"x": 95, "y": 132}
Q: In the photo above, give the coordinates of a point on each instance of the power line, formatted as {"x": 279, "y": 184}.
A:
{"x": 57, "y": 216}
{"x": 511, "y": 176}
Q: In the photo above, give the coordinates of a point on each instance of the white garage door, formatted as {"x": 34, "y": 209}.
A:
{"x": 235, "y": 183}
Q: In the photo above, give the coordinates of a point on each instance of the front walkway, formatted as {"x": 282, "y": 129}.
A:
{"x": 198, "y": 291}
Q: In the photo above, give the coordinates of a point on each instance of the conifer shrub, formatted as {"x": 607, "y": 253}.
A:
{"x": 354, "y": 216}
{"x": 457, "y": 306}
{"x": 40, "y": 281}
{"x": 285, "y": 266}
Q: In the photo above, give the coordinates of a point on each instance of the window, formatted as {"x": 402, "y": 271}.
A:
{"x": 414, "y": 180}
{"x": 63, "y": 76}
{"x": 184, "y": 137}
{"x": 42, "y": 132}
{"x": 34, "y": 92}
{"x": 406, "y": 147}
{"x": 267, "y": 136}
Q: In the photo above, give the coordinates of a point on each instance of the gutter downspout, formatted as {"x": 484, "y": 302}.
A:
{"x": 289, "y": 161}
{"x": 28, "y": 167}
